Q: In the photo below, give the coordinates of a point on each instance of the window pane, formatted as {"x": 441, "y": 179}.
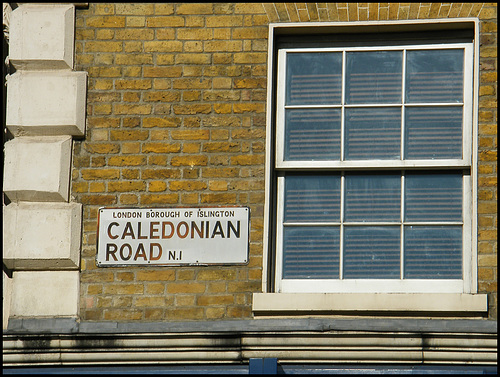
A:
{"x": 374, "y": 77}
{"x": 373, "y": 133}
{"x": 372, "y": 252}
{"x": 433, "y": 197}
{"x": 313, "y": 78}
{"x": 433, "y": 132}
{"x": 434, "y": 76}
{"x": 312, "y": 134}
{"x": 433, "y": 252}
{"x": 311, "y": 252}
{"x": 312, "y": 198}
{"x": 373, "y": 197}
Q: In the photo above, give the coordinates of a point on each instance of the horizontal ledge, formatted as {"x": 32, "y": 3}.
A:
{"x": 276, "y": 303}
{"x": 55, "y": 326}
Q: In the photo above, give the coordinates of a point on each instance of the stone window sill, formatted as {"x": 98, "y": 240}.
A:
{"x": 268, "y": 304}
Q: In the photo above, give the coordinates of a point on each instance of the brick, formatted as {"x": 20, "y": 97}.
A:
{"x": 97, "y": 187}
{"x": 192, "y": 84}
{"x": 129, "y": 135}
{"x": 214, "y": 275}
{"x": 150, "y": 302}
{"x": 192, "y": 58}
{"x": 190, "y": 134}
{"x": 163, "y": 46}
{"x": 122, "y": 314}
{"x": 224, "y": 21}
{"x": 189, "y": 161}
{"x": 130, "y": 173}
{"x": 221, "y": 46}
{"x": 218, "y": 198}
{"x": 250, "y": 33}
{"x": 187, "y": 185}
{"x": 248, "y": 8}
{"x": 105, "y": 148}
{"x": 160, "y": 148}
{"x": 220, "y": 172}
{"x": 159, "y": 199}
{"x": 135, "y": 21}
{"x": 159, "y": 173}
{"x": 156, "y": 275}
{"x": 192, "y": 109}
{"x": 157, "y": 186}
{"x": 215, "y": 300}
{"x": 105, "y": 21}
{"x": 218, "y": 147}
{"x": 191, "y": 287}
{"x": 103, "y": 46}
{"x": 161, "y": 122}
{"x": 157, "y": 160}
{"x": 215, "y": 313}
{"x": 126, "y": 186}
{"x": 133, "y": 84}
{"x": 191, "y": 8}
{"x": 197, "y": 34}
{"x": 98, "y": 199}
{"x": 134, "y": 9}
{"x": 128, "y": 199}
{"x": 90, "y": 174}
{"x": 134, "y": 59}
{"x": 134, "y": 34}
{"x": 249, "y": 107}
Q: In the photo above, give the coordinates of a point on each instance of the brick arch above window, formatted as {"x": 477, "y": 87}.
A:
{"x": 304, "y": 12}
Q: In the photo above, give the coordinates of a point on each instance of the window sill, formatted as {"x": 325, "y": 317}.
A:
{"x": 364, "y": 303}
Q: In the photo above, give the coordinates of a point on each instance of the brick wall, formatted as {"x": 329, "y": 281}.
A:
{"x": 176, "y": 117}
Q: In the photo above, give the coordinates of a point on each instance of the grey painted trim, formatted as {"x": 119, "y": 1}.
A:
{"x": 72, "y": 326}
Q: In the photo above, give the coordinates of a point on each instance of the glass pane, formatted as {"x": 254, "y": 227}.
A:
{"x": 311, "y": 252}
{"x": 312, "y": 198}
{"x": 433, "y": 197}
{"x": 373, "y": 197}
{"x": 313, "y": 78}
{"x": 373, "y": 133}
{"x": 433, "y": 132}
{"x": 374, "y": 77}
{"x": 433, "y": 252}
{"x": 372, "y": 252}
{"x": 312, "y": 134}
{"x": 434, "y": 76}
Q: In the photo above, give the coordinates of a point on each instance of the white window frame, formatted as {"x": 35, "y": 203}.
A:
{"x": 469, "y": 282}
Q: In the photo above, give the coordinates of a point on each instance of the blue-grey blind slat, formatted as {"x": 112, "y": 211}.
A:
{"x": 372, "y": 197}
{"x": 371, "y": 252}
{"x": 373, "y": 133}
{"x": 433, "y": 252}
{"x": 433, "y": 197}
{"x": 313, "y": 78}
{"x": 312, "y": 134}
{"x": 311, "y": 252}
{"x": 434, "y": 76}
{"x": 433, "y": 132}
{"x": 312, "y": 198}
{"x": 373, "y": 76}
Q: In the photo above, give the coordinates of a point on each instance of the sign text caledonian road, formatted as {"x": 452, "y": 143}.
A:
{"x": 172, "y": 236}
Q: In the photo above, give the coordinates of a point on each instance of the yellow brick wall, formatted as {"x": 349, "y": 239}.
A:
{"x": 176, "y": 117}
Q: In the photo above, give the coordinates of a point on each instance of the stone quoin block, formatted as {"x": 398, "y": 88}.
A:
{"x": 42, "y": 236}
{"x": 45, "y": 293}
{"x": 46, "y": 103}
{"x": 37, "y": 168}
{"x": 7, "y": 298}
{"x": 42, "y": 36}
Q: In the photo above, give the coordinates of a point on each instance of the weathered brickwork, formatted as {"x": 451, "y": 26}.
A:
{"x": 176, "y": 117}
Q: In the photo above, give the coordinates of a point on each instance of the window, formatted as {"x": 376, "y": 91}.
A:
{"x": 374, "y": 168}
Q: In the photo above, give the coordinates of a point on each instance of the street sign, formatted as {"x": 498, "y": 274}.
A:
{"x": 172, "y": 236}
